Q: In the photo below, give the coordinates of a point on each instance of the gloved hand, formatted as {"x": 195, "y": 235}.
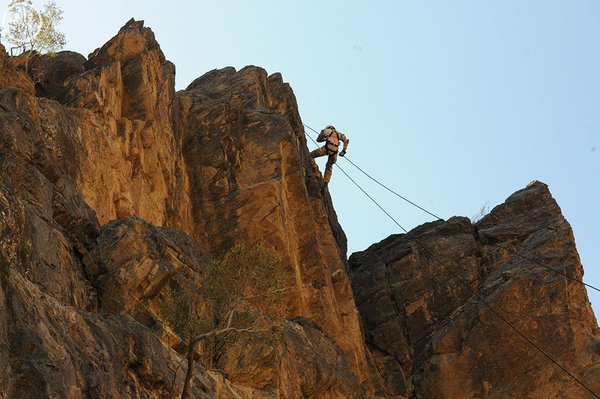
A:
{"x": 342, "y": 153}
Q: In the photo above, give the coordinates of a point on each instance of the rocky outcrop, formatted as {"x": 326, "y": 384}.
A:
{"x": 432, "y": 334}
{"x": 252, "y": 180}
{"x": 115, "y": 190}
{"x": 56, "y": 339}
{"x": 120, "y": 114}
{"x": 51, "y": 73}
{"x": 224, "y": 161}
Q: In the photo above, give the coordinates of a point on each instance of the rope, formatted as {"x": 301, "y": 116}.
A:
{"x": 542, "y": 265}
{"x": 439, "y": 218}
{"x": 381, "y": 184}
{"x": 479, "y": 297}
{"x": 364, "y": 192}
{"x": 463, "y": 283}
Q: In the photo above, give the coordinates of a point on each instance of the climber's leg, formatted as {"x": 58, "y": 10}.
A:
{"x": 319, "y": 152}
{"x": 329, "y": 167}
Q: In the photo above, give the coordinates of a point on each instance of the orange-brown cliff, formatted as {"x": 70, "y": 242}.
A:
{"x": 428, "y": 300}
{"x": 114, "y": 187}
{"x": 88, "y": 141}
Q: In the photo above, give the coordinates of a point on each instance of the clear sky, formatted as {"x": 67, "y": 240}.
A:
{"x": 454, "y": 104}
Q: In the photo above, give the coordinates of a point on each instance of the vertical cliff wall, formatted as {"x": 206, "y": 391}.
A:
{"x": 252, "y": 180}
{"x": 225, "y": 161}
{"x": 89, "y": 141}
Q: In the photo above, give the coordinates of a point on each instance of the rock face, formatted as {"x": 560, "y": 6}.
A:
{"x": 432, "y": 337}
{"x": 252, "y": 180}
{"x": 118, "y": 195}
{"x": 114, "y": 188}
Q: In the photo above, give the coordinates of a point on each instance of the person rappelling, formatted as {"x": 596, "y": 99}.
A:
{"x": 332, "y": 139}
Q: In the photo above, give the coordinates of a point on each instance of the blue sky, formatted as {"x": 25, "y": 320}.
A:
{"x": 454, "y": 104}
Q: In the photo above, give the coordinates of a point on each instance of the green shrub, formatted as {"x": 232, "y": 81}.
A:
{"x": 180, "y": 309}
{"x": 253, "y": 274}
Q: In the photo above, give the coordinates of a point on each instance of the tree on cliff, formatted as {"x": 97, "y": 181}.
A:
{"x": 30, "y": 29}
{"x": 244, "y": 291}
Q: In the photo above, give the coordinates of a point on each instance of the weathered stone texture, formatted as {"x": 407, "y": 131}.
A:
{"x": 113, "y": 186}
{"x": 435, "y": 338}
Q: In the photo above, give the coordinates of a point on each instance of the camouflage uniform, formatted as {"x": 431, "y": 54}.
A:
{"x": 332, "y": 140}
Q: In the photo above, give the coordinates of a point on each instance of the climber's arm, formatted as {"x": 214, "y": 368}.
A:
{"x": 346, "y": 142}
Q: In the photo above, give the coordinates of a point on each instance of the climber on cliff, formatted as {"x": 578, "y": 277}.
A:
{"x": 332, "y": 139}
